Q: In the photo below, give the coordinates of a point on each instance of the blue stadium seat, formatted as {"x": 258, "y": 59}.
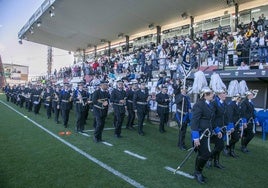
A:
{"x": 262, "y": 116}
{"x": 264, "y": 129}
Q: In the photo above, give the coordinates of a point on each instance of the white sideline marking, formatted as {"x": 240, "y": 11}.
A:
{"x": 92, "y": 130}
{"x": 108, "y": 144}
{"x": 84, "y": 134}
{"x": 93, "y": 159}
{"x": 135, "y": 155}
{"x": 105, "y": 129}
{"x": 179, "y": 172}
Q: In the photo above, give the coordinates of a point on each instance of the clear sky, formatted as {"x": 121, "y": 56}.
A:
{"x": 13, "y": 16}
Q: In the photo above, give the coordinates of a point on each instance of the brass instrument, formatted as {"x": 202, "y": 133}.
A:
{"x": 80, "y": 98}
{"x": 124, "y": 101}
{"x": 55, "y": 96}
{"x": 42, "y": 94}
{"x": 255, "y": 93}
{"x": 71, "y": 97}
{"x": 103, "y": 101}
{"x": 48, "y": 98}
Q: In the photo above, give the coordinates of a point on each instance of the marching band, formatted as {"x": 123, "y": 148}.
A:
{"x": 219, "y": 122}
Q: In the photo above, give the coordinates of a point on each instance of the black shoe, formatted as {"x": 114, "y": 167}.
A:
{"x": 199, "y": 177}
{"x": 132, "y": 128}
{"x": 209, "y": 164}
{"x": 218, "y": 165}
{"x": 244, "y": 149}
{"x": 183, "y": 148}
{"x": 95, "y": 139}
{"x": 141, "y": 133}
{"x": 233, "y": 154}
{"x": 117, "y": 136}
{"x": 226, "y": 152}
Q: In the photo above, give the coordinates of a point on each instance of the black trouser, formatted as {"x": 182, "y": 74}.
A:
{"x": 7, "y": 97}
{"x": 141, "y": 117}
{"x": 65, "y": 117}
{"x": 22, "y": 100}
{"x": 163, "y": 120}
{"x": 30, "y": 106}
{"x": 37, "y": 107}
{"x": 100, "y": 121}
{"x": 131, "y": 118}
{"x": 203, "y": 154}
{"x": 49, "y": 108}
{"x": 182, "y": 133}
{"x": 218, "y": 146}
{"x": 118, "y": 123}
{"x": 56, "y": 113}
{"x": 80, "y": 117}
{"x": 247, "y": 135}
{"x": 234, "y": 139}
{"x": 231, "y": 60}
{"x": 86, "y": 112}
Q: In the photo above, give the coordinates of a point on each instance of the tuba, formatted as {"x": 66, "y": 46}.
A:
{"x": 255, "y": 93}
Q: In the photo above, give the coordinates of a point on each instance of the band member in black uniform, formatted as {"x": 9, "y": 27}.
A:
{"x": 80, "y": 101}
{"x": 100, "y": 99}
{"x": 36, "y": 98}
{"x": 249, "y": 120}
{"x": 140, "y": 105}
{"x": 7, "y": 92}
{"x": 21, "y": 96}
{"x": 48, "y": 101}
{"x": 131, "y": 113}
{"x": 88, "y": 103}
{"x": 56, "y": 104}
{"x": 203, "y": 116}
{"x": 183, "y": 106}
{"x": 233, "y": 114}
{"x": 65, "y": 103}
{"x": 28, "y": 99}
{"x": 163, "y": 100}
{"x": 13, "y": 94}
{"x": 118, "y": 99}
{"x": 221, "y": 120}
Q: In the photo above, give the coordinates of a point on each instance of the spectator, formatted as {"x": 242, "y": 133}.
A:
{"x": 243, "y": 66}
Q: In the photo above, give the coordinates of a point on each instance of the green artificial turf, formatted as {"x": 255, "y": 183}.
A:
{"x": 30, "y": 157}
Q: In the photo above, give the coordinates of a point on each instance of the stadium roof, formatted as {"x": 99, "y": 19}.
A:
{"x": 78, "y": 24}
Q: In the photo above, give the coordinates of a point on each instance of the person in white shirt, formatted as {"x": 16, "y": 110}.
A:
{"x": 243, "y": 66}
{"x": 231, "y": 50}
